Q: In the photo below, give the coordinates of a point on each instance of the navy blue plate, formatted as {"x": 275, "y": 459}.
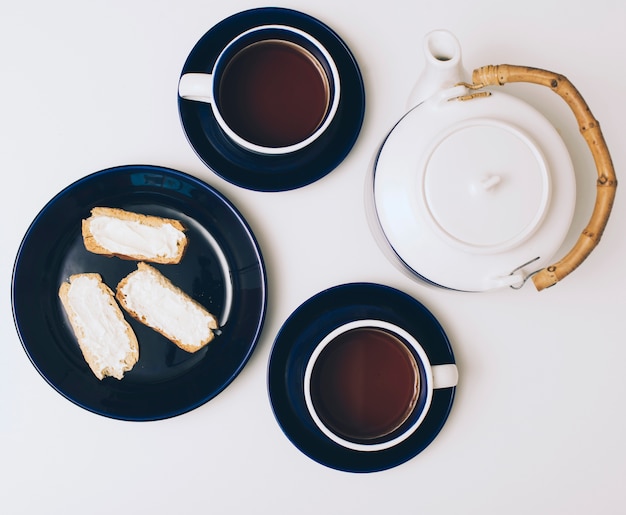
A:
{"x": 284, "y": 172}
{"x": 222, "y": 269}
{"x": 299, "y": 336}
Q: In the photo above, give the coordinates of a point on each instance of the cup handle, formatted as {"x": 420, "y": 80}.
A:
{"x": 445, "y": 376}
{"x": 196, "y": 86}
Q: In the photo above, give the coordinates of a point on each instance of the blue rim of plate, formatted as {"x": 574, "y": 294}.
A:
{"x": 306, "y": 327}
{"x": 273, "y": 173}
{"x": 222, "y": 269}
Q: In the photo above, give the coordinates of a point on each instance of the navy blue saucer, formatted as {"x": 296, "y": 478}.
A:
{"x": 273, "y": 173}
{"x": 222, "y": 269}
{"x": 299, "y": 336}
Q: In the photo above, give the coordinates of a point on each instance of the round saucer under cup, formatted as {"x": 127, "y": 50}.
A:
{"x": 280, "y": 172}
{"x": 296, "y": 342}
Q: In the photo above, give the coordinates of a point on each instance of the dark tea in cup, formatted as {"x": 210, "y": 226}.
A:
{"x": 365, "y": 384}
{"x": 274, "y": 93}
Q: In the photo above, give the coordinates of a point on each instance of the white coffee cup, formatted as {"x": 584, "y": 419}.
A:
{"x": 369, "y": 384}
{"x": 273, "y": 89}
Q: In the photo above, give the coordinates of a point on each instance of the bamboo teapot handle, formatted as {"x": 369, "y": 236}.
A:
{"x": 606, "y": 183}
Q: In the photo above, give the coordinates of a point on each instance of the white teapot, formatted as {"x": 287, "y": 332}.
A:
{"x": 474, "y": 189}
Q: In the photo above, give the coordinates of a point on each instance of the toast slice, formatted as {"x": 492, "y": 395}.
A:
{"x": 128, "y": 235}
{"x": 106, "y": 339}
{"x": 152, "y": 299}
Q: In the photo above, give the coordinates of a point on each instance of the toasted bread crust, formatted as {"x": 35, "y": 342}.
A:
{"x": 92, "y": 245}
{"x": 91, "y": 355}
{"x": 152, "y": 274}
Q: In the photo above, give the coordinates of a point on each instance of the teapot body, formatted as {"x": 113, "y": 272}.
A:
{"x": 471, "y": 192}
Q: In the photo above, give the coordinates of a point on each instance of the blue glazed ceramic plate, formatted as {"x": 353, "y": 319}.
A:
{"x": 273, "y": 173}
{"x": 306, "y": 327}
{"x": 222, "y": 269}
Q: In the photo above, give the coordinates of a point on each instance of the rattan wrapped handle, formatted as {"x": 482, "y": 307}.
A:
{"x": 590, "y": 129}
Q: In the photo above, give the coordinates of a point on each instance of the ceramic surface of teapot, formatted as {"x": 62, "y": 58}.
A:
{"x": 474, "y": 189}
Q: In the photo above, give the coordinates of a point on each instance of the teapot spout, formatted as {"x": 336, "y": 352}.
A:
{"x": 443, "y": 68}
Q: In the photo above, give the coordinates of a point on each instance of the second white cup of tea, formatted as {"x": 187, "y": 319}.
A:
{"x": 369, "y": 384}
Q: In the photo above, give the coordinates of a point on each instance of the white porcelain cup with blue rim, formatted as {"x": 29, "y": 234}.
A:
{"x": 273, "y": 89}
{"x": 369, "y": 384}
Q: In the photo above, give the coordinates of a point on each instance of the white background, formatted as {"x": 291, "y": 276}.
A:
{"x": 538, "y": 423}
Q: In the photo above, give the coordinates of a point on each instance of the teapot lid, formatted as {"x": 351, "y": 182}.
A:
{"x": 474, "y": 195}
{"x": 486, "y": 186}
